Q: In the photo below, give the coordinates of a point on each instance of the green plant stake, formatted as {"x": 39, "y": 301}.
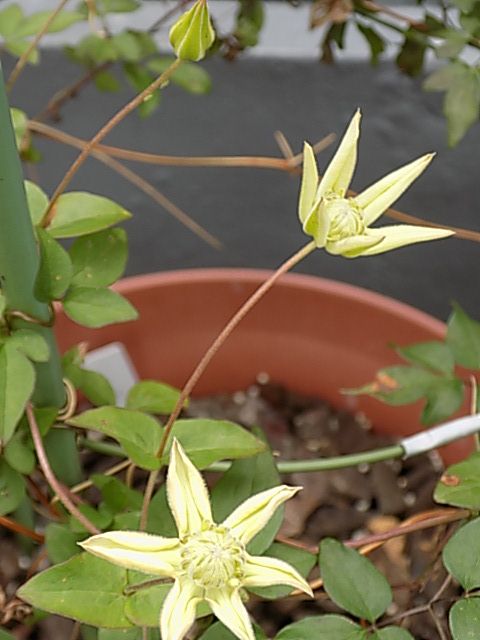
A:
{"x": 19, "y": 260}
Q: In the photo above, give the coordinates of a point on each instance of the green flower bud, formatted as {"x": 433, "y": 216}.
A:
{"x": 192, "y": 35}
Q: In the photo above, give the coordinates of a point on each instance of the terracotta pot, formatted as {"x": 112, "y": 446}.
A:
{"x": 313, "y": 335}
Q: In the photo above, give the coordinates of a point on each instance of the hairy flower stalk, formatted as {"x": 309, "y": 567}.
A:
{"x": 341, "y": 224}
{"x": 208, "y": 561}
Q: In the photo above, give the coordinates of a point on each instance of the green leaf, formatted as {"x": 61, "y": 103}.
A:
{"x": 143, "y": 607}
{"x": 464, "y": 619}
{"x": 79, "y": 213}
{"x": 460, "y": 484}
{"x": 10, "y": 19}
{"x": 19, "y": 453}
{"x": 20, "y": 125}
{"x": 119, "y": 634}
{"x": 37, "y": 201}
{"x": 441, "y": 79}
{"x": 33, "y": 23}
{"x": 127, "y": 47}
{"x": 153, "y": 397}
{"x": 19, "y": 48}
{"x": 206, "y": 441}
{"x": 106, "y": 81}
{"x": 375, "y": 42}
{"x": 453, "y": 44}
{"x": 62, "y": 452}
{"x": 391, "y": 633}
{"x": 328, "y": 627}
{"x": 218, "y": 631}
{"x": 412, "y": 54}
{"x": 138, "y": 433}
{"x": 303, "y": 561}
{"x": 17, "y": 380}
{"x": 84, "y": 588}
{"x": 116, "y": 6}
{"x": 432, "y": 355}
{"x": 12, "y": 488}
{"x": 95, "y": 386}
{"x": 352, "y": 581}
{"x": 189, "y": 76}
{"x": 160, "y": 519}
{"x": 30, "y": 343}
{"x": 55, "y": 272}
{"x": 61, "y": 542}
{"x": 99, "y": 259}
{"x": 461, "y": 555}
{"x": 463, "y": 338}
{"x": 462, "y": 104}
{"x": 244, "y": 479}
{"x": 93, "y": 49}
{"x": 250, "y": 19}
{"x": 102, "y": 518}
{"x": 443, "y": 399}
{"x": 6, "y": 636}
{"x": 116, "y": 494}
{"x": 398, "y": 385}
{"x": 97, "y": 307}
{"x": 140, "y": 78}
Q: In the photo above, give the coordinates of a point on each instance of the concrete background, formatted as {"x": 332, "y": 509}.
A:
{"x": 253, "y": 212}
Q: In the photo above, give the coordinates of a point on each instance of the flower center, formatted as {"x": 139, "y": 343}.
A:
{"x": 345, "y": 218}
{"x": 213, "y": 558}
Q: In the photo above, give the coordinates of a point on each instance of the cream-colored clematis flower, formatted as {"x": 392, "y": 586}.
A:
{"x": 341, "y": 224}
{"x": 208, "y": 561}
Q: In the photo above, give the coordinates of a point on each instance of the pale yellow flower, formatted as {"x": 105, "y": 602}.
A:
{"x": 208, "y": 561}
{"x": 341, "y": 224}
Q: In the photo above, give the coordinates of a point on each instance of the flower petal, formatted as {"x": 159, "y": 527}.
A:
{"x": 353, "y": 246}
{"x": 179, "y": 610}
{"x": 253, "y": 514}
{"x": 338, "y": 175}
{"x": 317, "y": 224}
{"x": 309, "y": 183}
{"x": 136, "y": 550}
{"x": 186, "y": 492}
{"x": 227, "y": 605}
{"x": 400, "y": 235}
{"x": 377, "y": 198}
{"x": 262, "y": 571}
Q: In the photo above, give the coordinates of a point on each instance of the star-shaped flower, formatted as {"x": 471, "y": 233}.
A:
{"x": 341, "y": 224}
{"x": 208, "y": 561}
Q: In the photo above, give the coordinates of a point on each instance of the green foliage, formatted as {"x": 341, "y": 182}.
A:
{"x": 189, "y": 76}
{"x": 99, "y": 259}
{"x": 374, "y": 40}
{"x": 97, "y": 307}
{"x": 463, "y": 337}
{"x": 61, "y": 542}
{"x": 94, "y": 385}
{"x": 352, "y": 581}
{"x": 459, "y": 552}
{"x": 28, "y": 342}
{"x": 322, "y": 628}
{"x": 153, "y": 397}
{"x": 63, "y": 454}
{"x": 411, "y": 56}
{"x": 12, "y": 488}
{"x": 464, "y": 619}
{"x": 55, "y": 272}
{"x": 218, "y": 631}
{"x": 460, "y": 484}
{"x": 249, "y": 22}
{"x": 17, "y": 379}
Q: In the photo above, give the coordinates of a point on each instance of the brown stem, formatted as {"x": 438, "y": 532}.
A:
{"x": 50, "y": 476}
{"x": 16, "y": 527}
{"x": 23, "y": 60}
{"x": 100, "y": 135}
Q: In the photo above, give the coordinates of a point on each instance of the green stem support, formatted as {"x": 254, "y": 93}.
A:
{"x": 19, "y": 259}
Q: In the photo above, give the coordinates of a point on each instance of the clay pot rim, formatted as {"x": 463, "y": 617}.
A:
{"x": 313, "y": 283}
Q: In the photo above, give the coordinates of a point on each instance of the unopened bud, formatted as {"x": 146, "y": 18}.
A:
{"x": 192, "y": 35}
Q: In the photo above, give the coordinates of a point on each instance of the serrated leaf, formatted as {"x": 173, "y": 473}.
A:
{"x": 433, "y": 355}
{"x": 460, "y": 484}
{"x": 61, "y": 542}
{"x": 84, "y": 588}
{"x": 37, "y": 201}
{"x": 138, "y": 433}
{"x": 244, "y": 479}
{"x": 461, "y": 555}
{"x": 12, "y": 488}
{"x": 328, "y": 627}
{"x": 97, "y": 307}
{"x": 17, "y": 380}
{"x": 79, "y": 213}
{"x": 30, "y": 343}
{"x": 99, "y": 259}
{"x": 206, "y": 441}
{"x": 153, "y": 397}
{"x": 464, "y": 619}
{"x": 352, "y": 581}
{"x": 55, "y": 272}
{"x": 301, "y": 560}
{"x": 463, "y": 337}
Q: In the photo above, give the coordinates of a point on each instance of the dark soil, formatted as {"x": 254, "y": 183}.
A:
{"x": 347, "y": 504}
